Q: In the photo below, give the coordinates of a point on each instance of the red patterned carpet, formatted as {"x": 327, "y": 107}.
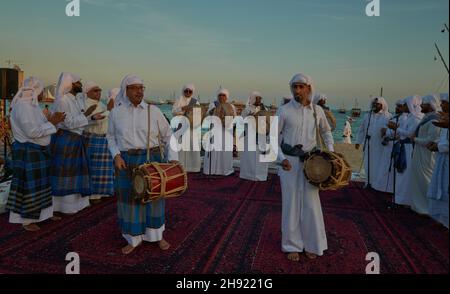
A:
{"x": 228, "y": 225}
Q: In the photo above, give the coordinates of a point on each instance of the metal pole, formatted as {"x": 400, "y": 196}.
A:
{"x": 442, "y": 58}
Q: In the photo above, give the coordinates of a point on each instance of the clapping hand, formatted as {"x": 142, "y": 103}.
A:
{"x": 90, "y": 110}
{"x": 57, "y": 118}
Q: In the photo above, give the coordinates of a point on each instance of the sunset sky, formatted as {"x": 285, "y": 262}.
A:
{"x": 243, "y": 45}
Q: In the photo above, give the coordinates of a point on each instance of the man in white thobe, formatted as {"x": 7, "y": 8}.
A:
{"x": 423, "y": 160}
{"x": 347, "y": 132}
{"x": 404, "y": 132}
{"x": 370, "y": 134}
{"x": 220, "y": 162}
{"x": 302, "y": 224}
{"x": 438, "y": 189}
{"x": 251, "y": 167}
{"x": 184, "y": 106}
{"x": 386, "y": 174}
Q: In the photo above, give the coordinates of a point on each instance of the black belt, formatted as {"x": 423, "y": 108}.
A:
{"x": 87, "y": 134}
{"x": 61, "y": 132}
{"x": 406, "y": 141}
{"x": 142, "y": 151}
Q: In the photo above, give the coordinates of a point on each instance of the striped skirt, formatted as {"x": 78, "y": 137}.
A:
{"x": 135, "y": 217}
{"x": 101, "y": 167}
{"x": 30, "y": 186}
{"x": 70, "y": 170}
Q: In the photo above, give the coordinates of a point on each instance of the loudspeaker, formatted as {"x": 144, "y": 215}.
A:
{"x": 9, "y": 82}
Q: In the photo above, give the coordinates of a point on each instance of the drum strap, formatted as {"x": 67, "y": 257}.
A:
{"x": 319, "y": 139}
{"x": 149, "y": 134}
{"x": 161, "y": 151}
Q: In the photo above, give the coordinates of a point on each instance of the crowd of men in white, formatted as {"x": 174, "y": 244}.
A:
{"x": 406, "y": 154}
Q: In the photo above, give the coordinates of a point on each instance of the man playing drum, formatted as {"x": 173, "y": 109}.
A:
{"x": 128, "y": 135}
{"x": 302, "y": 225}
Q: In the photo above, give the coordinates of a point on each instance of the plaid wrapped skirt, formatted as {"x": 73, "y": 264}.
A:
{"x": 135, "y": 217}
{"x": 70, "y": 169}
{"x": 101, "y": 167}
{"x": 30, "y": 186}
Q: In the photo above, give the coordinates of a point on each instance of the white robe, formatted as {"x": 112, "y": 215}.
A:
{"x": 422, "y": 165}
{"x": 219, "y": 162}
{"x": 379, "y": 155}
{"x": 347, "y": 133}
{"x": 302, "y": 224}
{"x": 190, "y": 160}
{"x": 438, "y": 189}
{"x": 386, "y": 173}
{"x": 404, "y": 131}
{"x": 251, "y": 168}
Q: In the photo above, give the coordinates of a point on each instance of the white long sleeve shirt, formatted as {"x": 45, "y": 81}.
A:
{"x": 443, "y": 141}
{"x": 98, "y": 127}
{"x": 409, "y": 127}
{"x": 128, "y": 129}
{"x": 75, "y": 119}
{"x": 29, "y": 124}
{"x": 401, "y": 122}
{"x": 296, "y": 125}
{"x": 378, "y": 121}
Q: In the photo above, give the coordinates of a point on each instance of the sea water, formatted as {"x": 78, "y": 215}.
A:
{"x": 337, "y": 133}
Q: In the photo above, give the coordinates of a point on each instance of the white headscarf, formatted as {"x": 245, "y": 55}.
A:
{"x": 384, "y": 105}
{"x": 319, "y": 97}
{"x": 29, "y": 92}
{"x": 222, "y": 91}
{"x": 251, "y": 102}
{"x": 86, "y": 88}
{"x": 182, "y": 98}
{"x": 444, "y": 97}
{"x": 433, "y": 101}
{"x": 89, "y": 86}
{"x": 285, "y": 100}
{"x": 112, "y": 94}
{"x": 252, "y": 98}
{"x": 188, "y": 86}
{"x": 304, "y": 79}
{"x": 126, "y": 81}
{"x": 65, "y": 84}
{"x": 413, "y": 103}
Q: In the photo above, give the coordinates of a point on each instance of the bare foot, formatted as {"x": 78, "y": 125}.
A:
{"x": 55, "y": 218}
{"x": 31, "y": 227}
{"x": 310, "y": 255}
{"x": 128, "y": 249}
{"x": 164, "y": 245}
{"x": 293, "y": 256}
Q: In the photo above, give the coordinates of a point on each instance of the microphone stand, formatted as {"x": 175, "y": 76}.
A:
{"x": 392, "y": 163}
{"x": 367, "y": 144}
{"x": 210, "y": 143}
